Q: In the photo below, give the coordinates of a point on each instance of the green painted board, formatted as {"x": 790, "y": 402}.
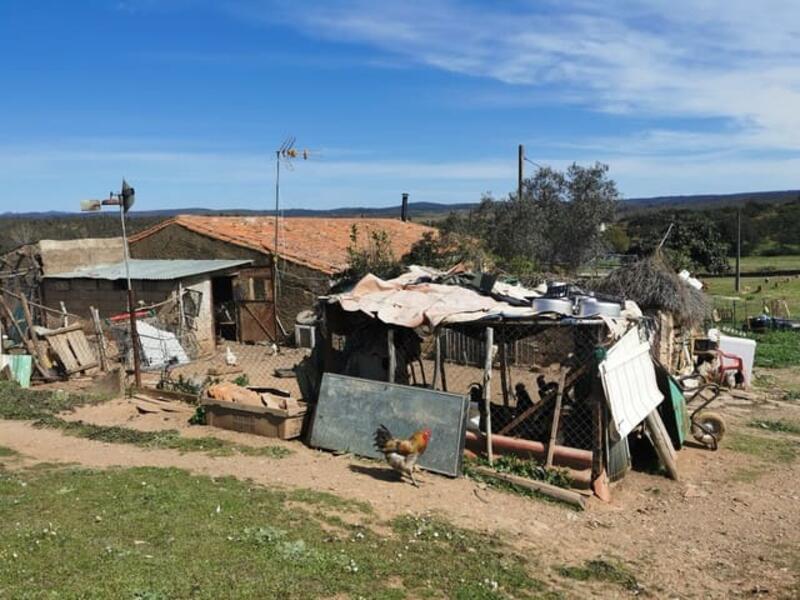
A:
{"x": 349, "y": 411}
{"x": 679, "y": 407}
{"x": 21, "y": 366}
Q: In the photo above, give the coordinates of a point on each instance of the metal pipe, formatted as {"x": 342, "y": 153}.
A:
{"x": 562, "y": 455}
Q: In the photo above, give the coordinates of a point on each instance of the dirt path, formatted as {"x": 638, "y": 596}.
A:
{"x": 732, "y": 526}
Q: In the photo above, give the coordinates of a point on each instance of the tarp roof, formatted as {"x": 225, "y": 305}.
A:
{"x": 142, "y": 269}
{"x": 404, "y": 303}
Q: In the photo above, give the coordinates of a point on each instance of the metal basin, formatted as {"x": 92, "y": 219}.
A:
{"x": 588, "y": 306}
{"x": 556, "y": 305}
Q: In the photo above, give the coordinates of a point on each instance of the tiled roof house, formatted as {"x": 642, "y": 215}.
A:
{"x": 310, "y": 251}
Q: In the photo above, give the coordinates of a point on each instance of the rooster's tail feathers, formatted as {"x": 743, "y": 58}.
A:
{"x": 382, "y": 436}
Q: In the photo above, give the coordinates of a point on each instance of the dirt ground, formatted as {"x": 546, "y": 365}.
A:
{"x": 729, "y": 528}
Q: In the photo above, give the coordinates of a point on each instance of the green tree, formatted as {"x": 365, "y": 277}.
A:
{"x": 446, "y": 249}
{"x": 617, "y": 239}
{"x": 374, "y": 256}
{"x": 555, "y": 224}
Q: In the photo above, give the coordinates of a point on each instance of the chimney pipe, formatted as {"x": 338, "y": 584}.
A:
{"x": 404, "y": 207}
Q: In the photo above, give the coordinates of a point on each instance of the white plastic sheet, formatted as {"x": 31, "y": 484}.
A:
{"x": 629, "y": 381}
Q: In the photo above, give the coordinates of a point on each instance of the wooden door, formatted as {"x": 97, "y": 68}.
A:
{"x": 255, "y": 305}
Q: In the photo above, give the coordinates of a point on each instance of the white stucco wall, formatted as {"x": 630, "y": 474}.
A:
{"x": 205, "y": 321}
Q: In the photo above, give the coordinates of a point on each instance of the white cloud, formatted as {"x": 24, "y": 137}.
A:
{"x": 731, "y": 59}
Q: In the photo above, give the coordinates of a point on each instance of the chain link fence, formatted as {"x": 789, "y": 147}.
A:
{"x": 541, "y": 379}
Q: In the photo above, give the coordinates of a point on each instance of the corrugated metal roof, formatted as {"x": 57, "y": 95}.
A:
{"x": 151, "y": 269}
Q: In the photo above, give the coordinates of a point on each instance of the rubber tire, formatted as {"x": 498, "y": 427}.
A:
{"x": 715, "y": 421}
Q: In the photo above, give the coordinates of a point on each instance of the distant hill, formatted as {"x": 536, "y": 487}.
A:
{"x": 414, "y": 208}
{"x": 705, "y": 201}
{"x": 433, "y": 210}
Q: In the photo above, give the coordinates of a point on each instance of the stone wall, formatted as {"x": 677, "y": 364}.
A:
{"x": 109, "y": 297}
{"x": 299, "y": 285}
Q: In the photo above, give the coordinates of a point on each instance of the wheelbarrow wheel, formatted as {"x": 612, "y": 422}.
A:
{"x": 708, "y": 428}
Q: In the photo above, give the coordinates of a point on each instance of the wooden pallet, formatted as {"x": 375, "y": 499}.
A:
{"x": 72, "y": 349}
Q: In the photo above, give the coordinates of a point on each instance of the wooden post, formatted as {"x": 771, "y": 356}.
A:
{"x": 487, "y": 392}
{"x": 65, "y": 315}
{"x": 101, "y": 340}
{"x": 392, "y": 354}
{"x": 551, "y": 445}
{"x": 437, "y": 363}
{"x": 738, "y": 285}
{"x": 181, "y": 322}
{"x": 28, "y": 345}
{"x": 40, "y": 355}
{"x": 565, "y": 495}
{"x": 504, "y": 372}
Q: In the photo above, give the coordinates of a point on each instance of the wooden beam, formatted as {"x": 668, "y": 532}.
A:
{"x": 28, "y": 345}
{"x": 565, "y": 495}
{"x": 392, "y": 354}
{"x": 551, "y": 445}
{"x": 571, "y": 380}
{"x": 437, "y": 341}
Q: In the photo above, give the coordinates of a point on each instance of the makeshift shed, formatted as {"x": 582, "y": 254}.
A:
{"x": 310, "y": 252}
{"x": 546, "y": 401}
{"x": 23, "y": 269}
{"x": 104, "y": 287}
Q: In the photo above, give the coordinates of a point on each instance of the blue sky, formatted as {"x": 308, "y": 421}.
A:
{"x": 189, "y": 98}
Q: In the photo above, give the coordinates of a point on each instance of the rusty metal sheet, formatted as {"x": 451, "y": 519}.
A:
{"x": 350, "y": 409}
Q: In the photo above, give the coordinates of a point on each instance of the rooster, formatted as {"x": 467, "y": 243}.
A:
{"x": 402, "y": 455}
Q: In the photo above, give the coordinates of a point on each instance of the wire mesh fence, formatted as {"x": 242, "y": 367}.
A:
{"x": 541, "y": 374}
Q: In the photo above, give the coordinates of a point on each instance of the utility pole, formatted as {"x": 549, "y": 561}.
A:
{"x": 738, "y": 250}
{"x": 275, "y": 277}
{"x": 124, "y": 199}
{"x": 520, "y": 162}
{"x": 287, "y": 152}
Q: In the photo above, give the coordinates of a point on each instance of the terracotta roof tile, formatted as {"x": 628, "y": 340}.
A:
{"x": 320, "y": 243}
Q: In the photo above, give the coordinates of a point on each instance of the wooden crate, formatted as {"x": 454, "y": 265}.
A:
{"x": 269, "y": 422}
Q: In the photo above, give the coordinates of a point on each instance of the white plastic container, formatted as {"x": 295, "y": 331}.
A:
{"x": 744, "y": 349}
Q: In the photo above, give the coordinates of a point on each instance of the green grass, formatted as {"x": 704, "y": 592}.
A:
{"x": 768, "y": 263}
{"x": 515, "y": 466}
{"x": 42, "y": 406}
{"x": 163, "y": 533}
{"x": 778, "y": 288}
{"x": 30, "y": 404}
{"x": 773, "y": 450}
{"x": 777, "y": 349}
{"x": 168, "y": 439}
{"x": 781, "y": 426}
{"x": 601, "y": 570}
{"x": 530, "y": 469}
{"x": 7, "y": 451}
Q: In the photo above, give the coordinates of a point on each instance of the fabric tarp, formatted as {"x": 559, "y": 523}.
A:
{"x": 404, "y": 303}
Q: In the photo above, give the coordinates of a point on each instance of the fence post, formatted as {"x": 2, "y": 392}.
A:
{"x": 437, "y": 365}
{"x": 504, "y": 370}
{"x": 392, "y": 354}
{"x": 101, "y": 340}
{"x": 487, "y": 392}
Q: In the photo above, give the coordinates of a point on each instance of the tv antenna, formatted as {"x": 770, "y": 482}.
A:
{"x": 285, "y": 153}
